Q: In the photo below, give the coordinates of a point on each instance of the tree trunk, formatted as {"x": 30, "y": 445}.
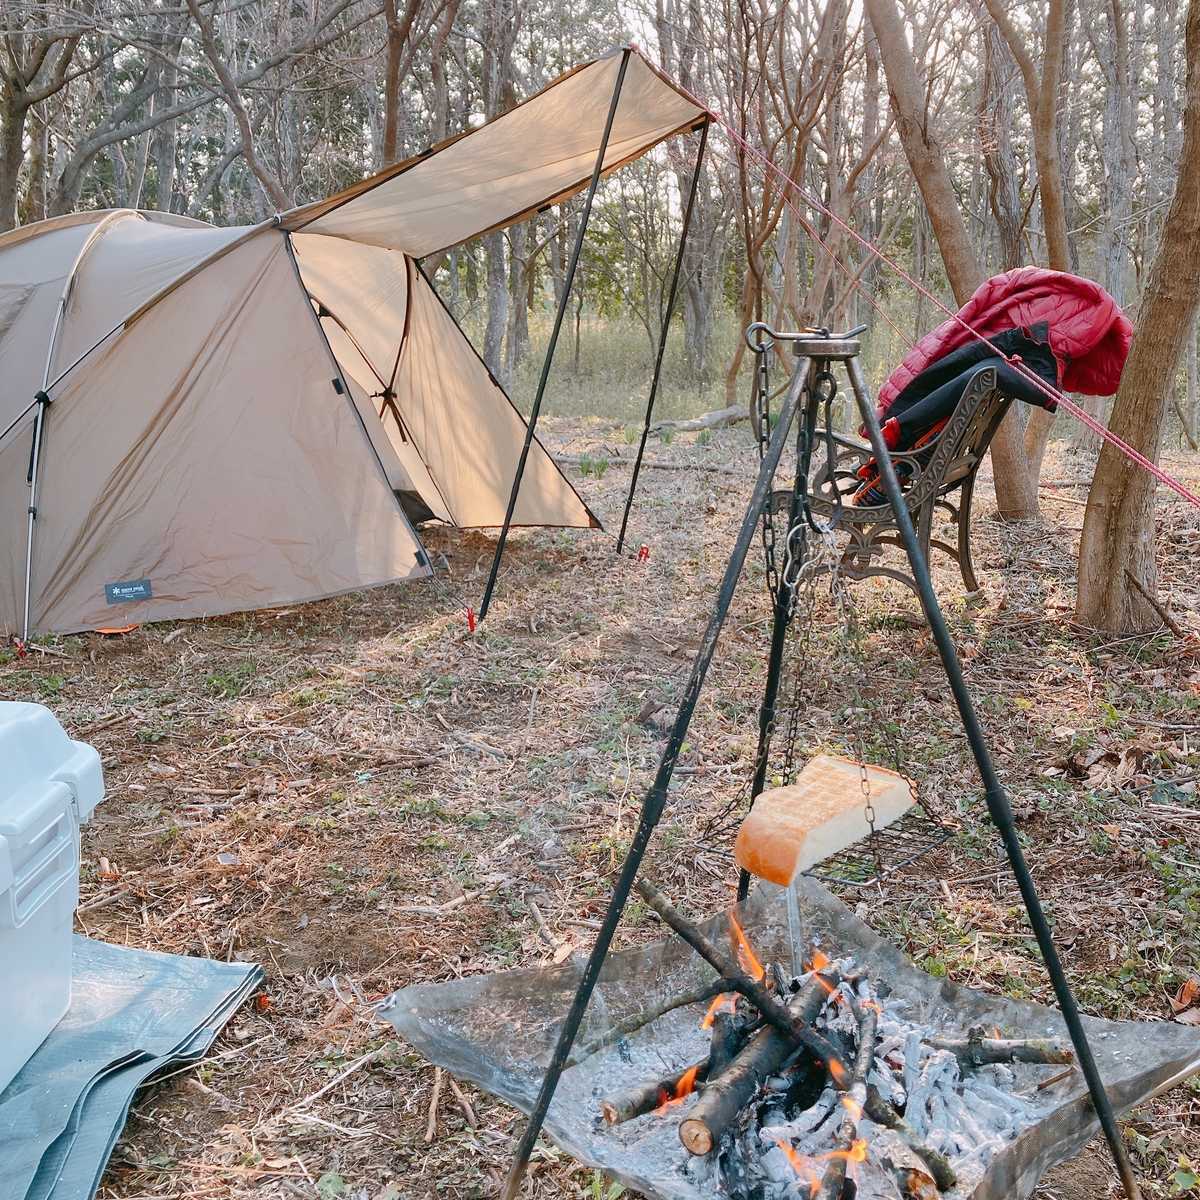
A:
{"x": 12, "y": 153}
{"x": 924, "y": 151}
{"x": 1118, "y": 527}
{"x": 497, "y": 303}
{"x": 1192, "y": 405}
{"x": 1016, "y": 488}
{"x": 517, "y": 338}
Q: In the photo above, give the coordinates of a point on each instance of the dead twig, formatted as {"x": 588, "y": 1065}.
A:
{"x": 431, "y": 1124}
{"x": 1156, "y": 604}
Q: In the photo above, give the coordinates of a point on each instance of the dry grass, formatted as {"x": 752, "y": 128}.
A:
{"x": 360, "y": 795}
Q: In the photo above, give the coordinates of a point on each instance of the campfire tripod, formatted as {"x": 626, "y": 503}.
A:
{"x": 814, "y": 354}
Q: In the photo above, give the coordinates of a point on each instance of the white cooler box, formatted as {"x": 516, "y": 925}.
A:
{"x": 49, "y": 786}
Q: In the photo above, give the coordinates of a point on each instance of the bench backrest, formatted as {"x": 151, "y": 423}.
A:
{"x": 961, "y": 445}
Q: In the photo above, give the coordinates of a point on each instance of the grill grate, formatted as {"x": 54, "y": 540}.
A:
{"x": 885, "y": 852}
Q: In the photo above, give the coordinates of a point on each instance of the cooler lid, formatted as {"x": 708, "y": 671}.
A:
{"x": 35, "y": 750}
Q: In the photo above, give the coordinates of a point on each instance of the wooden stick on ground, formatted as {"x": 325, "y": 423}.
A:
{"x": 649, "y": 1096}
{"x": 730, "y": 1092}
{"x": 431, "y": 1125}
{"x": 773, "y": 1011}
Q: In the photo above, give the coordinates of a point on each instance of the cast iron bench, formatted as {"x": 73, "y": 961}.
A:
{"x": 942, "y": 476}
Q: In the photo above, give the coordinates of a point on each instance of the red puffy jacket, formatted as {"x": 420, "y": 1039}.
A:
{"x": 1089, "y": 334}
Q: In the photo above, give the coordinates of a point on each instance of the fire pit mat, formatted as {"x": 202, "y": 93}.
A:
{"x": 498, "y": 1031}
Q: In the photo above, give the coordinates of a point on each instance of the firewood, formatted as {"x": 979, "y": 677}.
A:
{"x": 882, "y": 1113}
{"x": 655, "y": 1094}
{"x": 728, "y": 1036}
{"x": 975, "y": 1050}
{"x": 854, "y": 1101}
{"x": 730, "y": 1091}
{"x": 643, "y": 1017}
{"x": 774, "y": 1012}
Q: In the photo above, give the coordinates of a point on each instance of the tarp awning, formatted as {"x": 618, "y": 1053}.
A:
{"x": 536, "y": 154}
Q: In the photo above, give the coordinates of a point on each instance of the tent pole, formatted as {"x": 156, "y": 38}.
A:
{"x": 656, "y": 797}
{"x": 997, "y": 798}
{"x": 42, "y": 399}
{"x": 35, "y": 459}
{"x": 666, "y": 325}
{"x": 548, "y": 361}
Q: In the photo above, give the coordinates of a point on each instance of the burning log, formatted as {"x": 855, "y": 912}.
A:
{"x": 728, "y": 1093}
{"x": 731, "y": 1030}
{"x": 655, "y": 1095}
{"x": 774, "y": 1012}
{"x": 976, "y": 1050}
{"x": 882, "y": 1113}
{"x": 849, "y": 1146}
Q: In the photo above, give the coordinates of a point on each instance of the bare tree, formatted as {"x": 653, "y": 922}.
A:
{"x": 1116, "y": 555}
{"x": 1042, "y": 94}
{"x": 1016, "y": 487}
{"x": 37, "y": 62}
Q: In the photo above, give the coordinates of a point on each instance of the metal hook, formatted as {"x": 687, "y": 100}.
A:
{"x": 760, "y": 347}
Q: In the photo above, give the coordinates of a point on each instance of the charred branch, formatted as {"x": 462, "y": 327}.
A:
{"x": 975, "y": 1050}
{"x": 854, "y": 1102}
{"x": 774, "y": 1012}
{"x": 728, "y": 1093}
{"x": 882, "y": 1113}
{"x": 651, "y": 1096}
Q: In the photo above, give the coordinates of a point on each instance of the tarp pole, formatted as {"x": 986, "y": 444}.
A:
{"x": 531, "y": 424}
{"x": 666, "y": 325}
{"x": 656, "y": 797}
{"x": 997, "y": 798}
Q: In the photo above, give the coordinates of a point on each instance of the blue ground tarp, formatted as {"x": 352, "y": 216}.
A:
{"x": 133, "y": 1015}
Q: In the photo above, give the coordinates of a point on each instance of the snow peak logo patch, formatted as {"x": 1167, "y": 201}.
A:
{"x": 131, "y": 589}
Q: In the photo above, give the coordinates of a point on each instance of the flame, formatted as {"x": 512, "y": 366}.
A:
{"x": 873, "y": 1006}
{"x": 853, "y": 1107}
{"x": 725, "y": 1002}
{"x": 802, "y": 1166}
{"x": 746, "y": 957}
{"x": 685, "y": 1086}
{"x": 819, "y": 961}
{"x": 856, "y": 1154}
{"x": 838, "y": 1072}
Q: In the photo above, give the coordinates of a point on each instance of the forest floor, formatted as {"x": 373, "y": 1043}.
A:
{"x": 360, "y": 795}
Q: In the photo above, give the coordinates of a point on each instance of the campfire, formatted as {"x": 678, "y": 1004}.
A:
{"x": 814, "y": 1060}
{"x": 823, "y": 1084}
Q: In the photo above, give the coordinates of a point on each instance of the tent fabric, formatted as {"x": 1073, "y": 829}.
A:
{"x": 132, "y": 257}
{"x": 449, "y": 426}
{"x": 242, "y": 417}
{"x": 446, "y": 388}
{"x": 538, "y": 153}
{"x": 190, "y": 456}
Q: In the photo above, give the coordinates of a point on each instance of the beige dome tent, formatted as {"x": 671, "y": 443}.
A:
{"x": 198, "y": 421}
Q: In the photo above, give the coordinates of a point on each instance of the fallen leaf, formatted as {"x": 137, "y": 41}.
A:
{"x": 1187, "y": 995}
{"x": 1191, "y": 1017}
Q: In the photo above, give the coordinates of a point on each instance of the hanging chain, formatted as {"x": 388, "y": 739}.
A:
{"x": 762, "y": 412}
